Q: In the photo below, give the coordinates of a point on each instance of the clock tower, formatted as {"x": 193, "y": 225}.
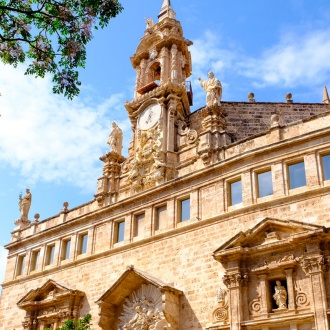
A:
{"x": 158, "y": 113}
{"x": 162, "y": 98}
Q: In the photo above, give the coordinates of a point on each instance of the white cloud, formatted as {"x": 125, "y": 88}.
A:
{"x": 49, "y": 138}
{"x": 298, "y": 60}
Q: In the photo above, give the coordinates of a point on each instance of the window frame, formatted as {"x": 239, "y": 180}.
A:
{"x": 229, "y": 190}
{"x": 64, "y": 249}
{"x": 156, "y": 216}
{"x": 324, "y": 154}
{"x": 35, "y": 257}
{"x": 50, "y": 254}
{"x": 136, "y": 225}
{"x": 21, "y": 264}
{"x": 257, "y": 181}
{"x": 180, "y": 209}
{"x": 117, "y": 231}
{"x": 81, "y": 250}
{"x": 289, "y": 181}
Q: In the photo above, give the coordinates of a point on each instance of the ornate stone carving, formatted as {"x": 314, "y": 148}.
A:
{"x": 234, "y": 280}
{"x": 148, "y": 168}
{"x": 142, "y": 310}
{"x": 115, "y": 139}
{"x": 312, "y": 265}
{"x": 280, "y": 295}
{"x": 51, "y": 303}
{"x": 24, "y": 207}
{"x": 190, "y": 134}
{"x": 301, "y": 297}
{"x": 255, "y": 306}
{"x": 220, "y": 312}
{"x": 213, "y": 89}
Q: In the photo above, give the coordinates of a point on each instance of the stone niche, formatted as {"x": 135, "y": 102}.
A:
{"x": 139, "y": 301}
{"x": 276, "y": 277}
{"x": 50, "y": 305}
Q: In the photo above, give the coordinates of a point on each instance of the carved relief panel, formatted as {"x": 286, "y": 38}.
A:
{"x": 285, "y": 269}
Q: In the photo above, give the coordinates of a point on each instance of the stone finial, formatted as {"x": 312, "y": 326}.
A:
{"x": 115, "y": 139}
{"x": 288, "y": 97}
{"x": 325, "y": 96}
{"x": 251, "y": 97}
{"x": 213, "y": 88}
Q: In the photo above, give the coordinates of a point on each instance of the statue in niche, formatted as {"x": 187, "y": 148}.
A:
{"x": 24, "y": 204}
{"x": 115, "y": 139}
{"x": 213, "y": 89}
{"x": 280, "y": 295}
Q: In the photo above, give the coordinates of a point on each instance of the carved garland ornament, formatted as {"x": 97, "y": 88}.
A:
{"x": 142, "y": 310}
{"x": 184, "y": 130}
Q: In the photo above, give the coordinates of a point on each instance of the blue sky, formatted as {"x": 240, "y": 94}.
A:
{"x": 52, "y": 145}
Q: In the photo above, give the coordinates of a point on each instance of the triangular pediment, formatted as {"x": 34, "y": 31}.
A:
{"x": 47, "y": 292}
{"x": 131, "y": 280}
{"x": 268, "y": 233}
{"x": 135, "y": 294}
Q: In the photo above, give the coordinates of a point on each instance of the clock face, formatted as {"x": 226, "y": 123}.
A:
{"x": 149, "y": 116}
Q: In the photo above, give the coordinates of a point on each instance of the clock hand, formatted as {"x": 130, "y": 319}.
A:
{"x": 149, "y": 117}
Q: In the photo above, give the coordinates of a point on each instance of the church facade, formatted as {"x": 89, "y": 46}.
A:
{"x": 217, "y": 219}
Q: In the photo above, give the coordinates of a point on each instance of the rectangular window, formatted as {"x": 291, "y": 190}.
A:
{"x": 161, "y": 215}
{"x": 235, "y": 192}
{"x": 35, "y": 260}
{"x": 326, "y": 167}
{"x": 83, "y": 240}
{"x": 50, "y": 255}
{"x": 265, "y": 184}
{"x": 66, "y": 249}
{"x": 21, "y": 265}
{"x": 139, "y": 224}
{"x": 120, "y": 231}
{"x": 184, "y": 209}
{"x": 297, "y": 176}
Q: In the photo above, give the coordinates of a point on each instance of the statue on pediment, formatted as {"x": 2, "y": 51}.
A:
{"x": 115, "y": 139}
{"x": 24, "y": 204}
{"x": 213, "y": 88}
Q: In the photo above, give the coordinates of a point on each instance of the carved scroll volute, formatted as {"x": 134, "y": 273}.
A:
{"x": 107, "y": 316}
{"x": 171, "y": 308}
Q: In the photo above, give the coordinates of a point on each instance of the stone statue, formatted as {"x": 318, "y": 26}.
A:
{"x": 24, "y": 204}
{"x": 213, "y": 89}
{"x": 115, "y": 139}
{"x": 280, "y": 295}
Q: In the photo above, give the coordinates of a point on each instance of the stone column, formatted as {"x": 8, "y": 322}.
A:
{"x": 290, "y": 287}
{"x": 164, "y": 64}
{"x": 263, "y": 294}
{"x": 174, "y": 72}
{"x": 234, "y": 284}
{"x": 314, "y": 267}
{"x": 137, "y": 82}
{"x": 143, "y": 78}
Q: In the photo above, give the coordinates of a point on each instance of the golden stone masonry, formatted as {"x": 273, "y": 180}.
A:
{"x": 217, "y": 219}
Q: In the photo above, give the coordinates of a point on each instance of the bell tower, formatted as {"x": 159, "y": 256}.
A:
{"x": 162, "y": 97}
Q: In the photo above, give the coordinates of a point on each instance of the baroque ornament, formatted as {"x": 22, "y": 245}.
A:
{"x": 220, "y": 313}
{"x": 142, "y": 310}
